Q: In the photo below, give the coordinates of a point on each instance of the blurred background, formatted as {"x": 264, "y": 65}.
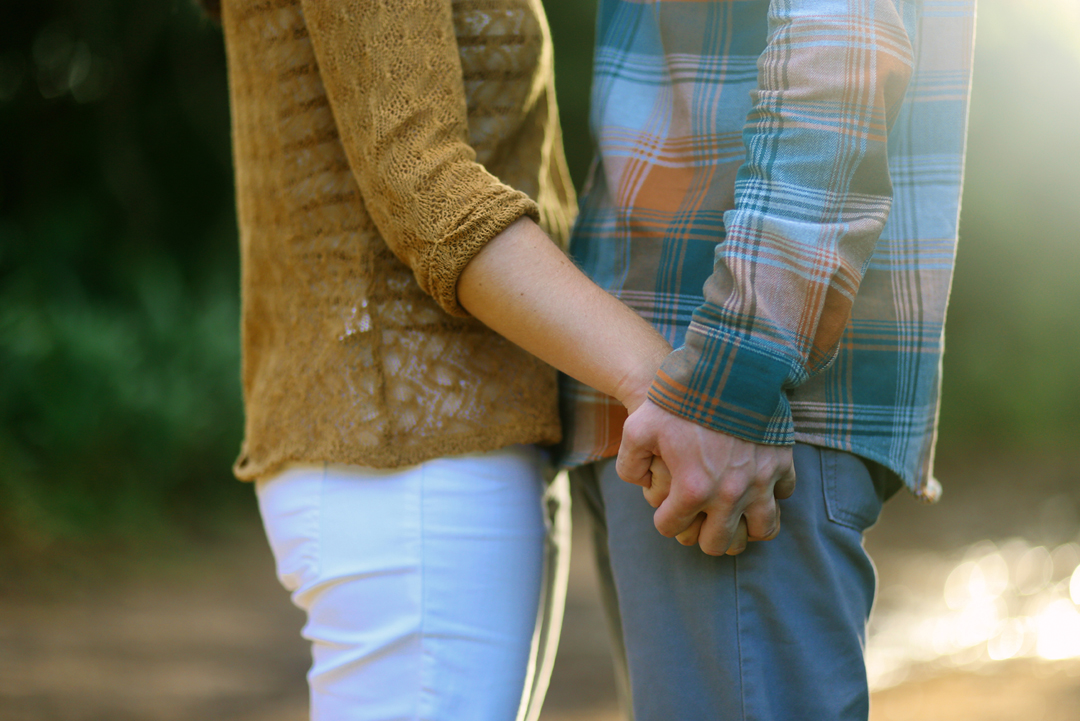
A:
{"x": 134, "y": 581}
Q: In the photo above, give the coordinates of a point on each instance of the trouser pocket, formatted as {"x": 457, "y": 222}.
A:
{"x": 853, "y": 495}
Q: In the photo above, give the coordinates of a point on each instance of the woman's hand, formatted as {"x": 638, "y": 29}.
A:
{"x": 657, "y": 493}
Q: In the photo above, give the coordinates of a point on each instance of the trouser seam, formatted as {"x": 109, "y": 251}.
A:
{"x": 422, "y": 666}
{"x": 738, "y": 637}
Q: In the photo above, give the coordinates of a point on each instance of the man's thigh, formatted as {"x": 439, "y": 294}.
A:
{"x": 774, "y": 634}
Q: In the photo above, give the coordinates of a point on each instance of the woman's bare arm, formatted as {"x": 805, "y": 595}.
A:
{"x": 524, "y": 288}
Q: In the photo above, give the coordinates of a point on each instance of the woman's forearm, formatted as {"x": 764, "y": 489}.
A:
{"x": 523, "y": 287}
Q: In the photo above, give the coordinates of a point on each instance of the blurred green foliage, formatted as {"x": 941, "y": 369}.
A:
{"x": 119, "y": 394}
{"x": 1012, "y": 360}
{"x": 119, "y": 391}
{"x": 572, "y": 31}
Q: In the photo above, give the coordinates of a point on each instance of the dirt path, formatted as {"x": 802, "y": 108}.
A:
{"x": 210, "y": 635}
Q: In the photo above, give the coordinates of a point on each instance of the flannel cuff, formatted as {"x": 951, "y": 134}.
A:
{"x": 732, "y": 384}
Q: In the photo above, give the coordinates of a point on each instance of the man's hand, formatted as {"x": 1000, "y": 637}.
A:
{"x": 723, "y": 477}
{"x": 658, "y": 491}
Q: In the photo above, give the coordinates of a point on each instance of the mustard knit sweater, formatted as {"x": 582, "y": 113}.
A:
{"x": 378, "y": 145}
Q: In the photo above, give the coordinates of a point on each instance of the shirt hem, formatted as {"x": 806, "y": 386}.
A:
{"x": 250, "y": 467}
{"x": 923, "y": 487}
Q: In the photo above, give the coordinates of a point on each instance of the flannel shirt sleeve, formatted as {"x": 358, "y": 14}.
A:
{"x": 811, "y": 199}
{"x": 393, "y": 76}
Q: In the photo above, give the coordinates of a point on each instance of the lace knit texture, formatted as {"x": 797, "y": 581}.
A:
{"x": 378, "y": 146}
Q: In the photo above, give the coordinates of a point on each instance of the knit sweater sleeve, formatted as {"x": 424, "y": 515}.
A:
{"x": 394, "y": 81}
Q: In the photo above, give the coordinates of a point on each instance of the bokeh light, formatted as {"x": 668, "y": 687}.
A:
{"x": 996, "y": 603}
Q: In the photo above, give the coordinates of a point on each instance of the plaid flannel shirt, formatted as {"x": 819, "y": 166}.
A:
{"x": 777, "y": 190}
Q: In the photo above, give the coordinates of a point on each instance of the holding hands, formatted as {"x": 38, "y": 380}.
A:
{"x": 707, "y": 487}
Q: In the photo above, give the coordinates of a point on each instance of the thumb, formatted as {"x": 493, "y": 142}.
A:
{"x": 635, "y": 457}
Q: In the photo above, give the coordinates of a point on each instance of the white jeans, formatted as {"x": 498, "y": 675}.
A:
{"x": 433, "y": 592}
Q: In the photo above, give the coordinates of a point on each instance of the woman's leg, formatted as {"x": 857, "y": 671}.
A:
{"x": 422, "y": 585}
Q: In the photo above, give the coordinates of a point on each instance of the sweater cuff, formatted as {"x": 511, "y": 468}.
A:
{"x": 727, "y": 383}
{"x": 445, "y": 260}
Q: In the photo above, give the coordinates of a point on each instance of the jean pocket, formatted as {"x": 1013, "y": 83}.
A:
{"x": 851, "y": 497}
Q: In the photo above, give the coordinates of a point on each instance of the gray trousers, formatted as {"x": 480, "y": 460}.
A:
{"x": 774, "y": 634}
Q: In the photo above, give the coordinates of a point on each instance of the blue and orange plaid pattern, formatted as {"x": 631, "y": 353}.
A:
{"x": 777, "y": 190}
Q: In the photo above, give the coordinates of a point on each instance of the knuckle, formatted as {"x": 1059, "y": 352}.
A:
{"x": 763, "y": 508}
{"x": 788, "y": 468}
{"x": 694, "y": 493}
{"x": 765, "y": 477}
{"x": 665, "y": 531}
{"x": 665, "y": 526}
{"x": 730, "y": 493}
{"x": 769, "y": 534}
{"x": 713, "y": 550}
{"x": 715, "y": 544}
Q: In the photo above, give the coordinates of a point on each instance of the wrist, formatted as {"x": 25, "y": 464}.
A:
{"x": 632, "y": 389}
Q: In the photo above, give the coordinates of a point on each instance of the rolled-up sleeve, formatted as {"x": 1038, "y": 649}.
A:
{"x": 811, "y": 199}
{"x": 393, "y": 77}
